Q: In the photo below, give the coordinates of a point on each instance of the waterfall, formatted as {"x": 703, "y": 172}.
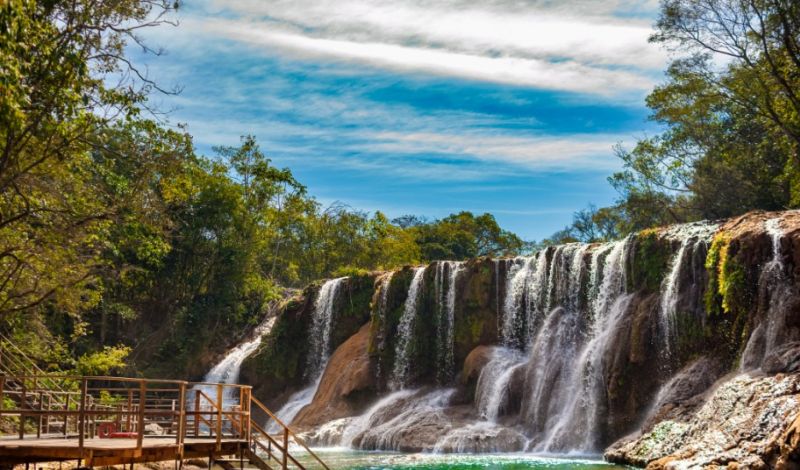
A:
{"x": 445, "y": 283}
{"x": 405, "y": 331}
{"x": 573, "y": 421}
{"x": 551, "y": 359}
{"x": 366, "y": 421}
{"x": 380, "y": 301}
{"x": 669, "y": 298}
{"x": 227, "y": 370}
{"x": 535, "y": 296}
{"x": 492, "y": 389}
{"x": 387, "y": 421}
{"x": 690, "y": 236}
{"x": 296, "y": 402}
{"x": 321, "y": 326}
{"x": 776, "y": 290}
{"x": 319, "y": 352}
{"x": 512, "y": 317}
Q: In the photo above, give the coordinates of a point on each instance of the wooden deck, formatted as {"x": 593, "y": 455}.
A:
{"x": 97, "y": 452}
{"x": 98, "y": 421}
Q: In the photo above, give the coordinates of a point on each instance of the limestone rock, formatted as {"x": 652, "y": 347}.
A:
{"x": 348, "y": 382}
{"x": 746, "y": 422}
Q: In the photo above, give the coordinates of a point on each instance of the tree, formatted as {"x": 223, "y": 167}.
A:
{"x": 463, "y": 235}
{"x": 761, "y": 41}
{"x": 730, "y": 108}
{"x": 57, "y": 59}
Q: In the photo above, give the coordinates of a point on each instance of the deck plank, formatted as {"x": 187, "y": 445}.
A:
{"x": 111, "y": 451}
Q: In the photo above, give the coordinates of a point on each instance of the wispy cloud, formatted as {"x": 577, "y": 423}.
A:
{"x": 588, "y": 152}
{"x": 568, "y": 75}
{"x": 585, "y": 49}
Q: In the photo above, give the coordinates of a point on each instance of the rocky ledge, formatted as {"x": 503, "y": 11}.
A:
{"x": 743, "y": 421}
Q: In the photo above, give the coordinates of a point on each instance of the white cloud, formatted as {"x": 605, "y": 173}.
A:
{"x": 582, "y": 30}
{"x": 584, "y": 151}
{"x": 564, "y": 75}
{"x": 578, "y": 46}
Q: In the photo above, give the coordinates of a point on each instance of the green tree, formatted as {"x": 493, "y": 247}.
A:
{"x": 731, "y": 131}
{"x": 56, "y": 57}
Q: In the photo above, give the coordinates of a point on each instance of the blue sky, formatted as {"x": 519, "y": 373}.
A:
{"x": 421, "y": 107}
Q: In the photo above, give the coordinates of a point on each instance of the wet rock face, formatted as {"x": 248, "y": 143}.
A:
{"x": 746, "y": 421}
{"x": 347, "y": 385}
{"x": 278, "y": 367}
{"x": 784, "y": 359}
{"x": 685, "y": 392}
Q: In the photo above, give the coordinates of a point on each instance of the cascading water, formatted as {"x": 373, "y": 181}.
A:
{"x": 405, "y": 330}
{"x": 572, "y": 423}
{"x": 771, "y": 332}
{"x": 492, "y": 389}
{"x": 319, "y": 353}
{"x": 568, "y": 321}
{"x": 385, "y": 423}
{"x": 535, "y": 296}
{"x": 445, "y": 281}
{"x": 512, "y": 315}
{"x": 321, "y": 325}
{"x": 691, "y": 237}
{"x": 227, "y": 370}
{"x": 381, "y": 302}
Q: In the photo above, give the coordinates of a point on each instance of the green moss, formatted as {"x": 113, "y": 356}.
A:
{"x": 726, "y": 289}
{"x": 651, "y": 261}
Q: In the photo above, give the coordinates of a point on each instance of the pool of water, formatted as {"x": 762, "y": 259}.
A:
{"x": 341, "y": 459}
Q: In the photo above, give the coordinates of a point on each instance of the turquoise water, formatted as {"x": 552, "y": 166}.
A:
{"x": 340, "y": 459}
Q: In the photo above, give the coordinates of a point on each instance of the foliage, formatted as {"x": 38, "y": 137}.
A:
{"x": 730, "y": 110}
{"x": 726, "y": 277}
{"x": 462, "y": 236}
{"x": 109, "y": 359}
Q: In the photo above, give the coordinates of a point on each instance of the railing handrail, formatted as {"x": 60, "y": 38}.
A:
{"x": 112, "y": 378}
{"x": 287, "y": 429}
{"x": 134, "y": 405}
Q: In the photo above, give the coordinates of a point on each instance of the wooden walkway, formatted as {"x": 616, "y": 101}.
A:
{"x": 98, "y": 421}
{"x": 99, "y": 452}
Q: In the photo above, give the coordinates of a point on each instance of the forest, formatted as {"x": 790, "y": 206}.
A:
{"x": 110, "y": 218}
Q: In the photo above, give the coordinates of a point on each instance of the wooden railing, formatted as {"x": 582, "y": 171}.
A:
{"x": 262, "y": 440}
{"x": 128, "y": 408}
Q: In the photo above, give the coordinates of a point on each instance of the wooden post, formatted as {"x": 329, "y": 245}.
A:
{"x": 248, "y": 403}
{"x": 22, "y": 402}
{"x": 39, "y": 422}
{"x": 49, "y": 409}
{"x": 197, "y": 413}
{"x": 82, "y": 414}
{"x": 241, "y": 412}
{"x": 285, "y": 461}
{"x": 181, "y": 419}
{"x": 66, "y": 416}
{"x": 2, "y": 390}
{"x": 129, "y": 414}
{"x": 219, "y": 416}
{"x": 142, "y": 399}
